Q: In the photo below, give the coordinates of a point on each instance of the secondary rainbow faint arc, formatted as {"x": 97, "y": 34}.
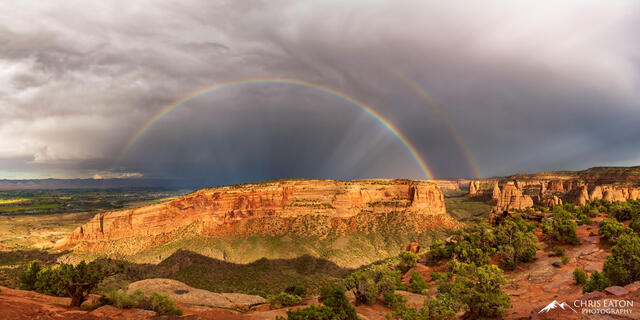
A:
{"x": 415, "y": 87}
{"x": 408, "y": 145}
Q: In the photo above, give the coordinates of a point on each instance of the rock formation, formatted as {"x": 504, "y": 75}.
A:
{"x": 216, "y": 211}
{"x": 473, "y": 188}
{"x": 495, "y": 194}
{"x": 413, "y": 247}
{"x": 182, "y": 293}
{"x": 511, "y": 197}
{"x": 583, "y": 195}
{"x": 556, "y": 188}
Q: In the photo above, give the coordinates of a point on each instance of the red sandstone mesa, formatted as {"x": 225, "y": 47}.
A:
{"x": 213, "y": 209}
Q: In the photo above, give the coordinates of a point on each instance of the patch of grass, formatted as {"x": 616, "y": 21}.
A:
{"x": 12, "y": 201}
{"x": 158, "y": 302}
{"x": 23, "y": 232}
{"x": 467, "y": 210}
{"x": 166, "y": 199}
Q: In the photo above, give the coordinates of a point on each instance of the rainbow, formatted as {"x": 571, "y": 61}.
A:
{"x": 407, "y": 144}
{"x": 415, "y": 87}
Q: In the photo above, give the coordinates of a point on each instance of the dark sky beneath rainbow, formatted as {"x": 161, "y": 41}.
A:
{"x": 220, "y": 92}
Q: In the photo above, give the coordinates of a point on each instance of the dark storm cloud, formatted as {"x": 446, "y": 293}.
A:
{"x": 527, "y": 85}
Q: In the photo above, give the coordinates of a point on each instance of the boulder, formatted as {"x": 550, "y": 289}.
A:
{"x": 351, "y": 297}
{"x": 92, "y": 302}
{"x": 634, "y": 286}
{"x": 616, "y": 290}
{"x": 183, "y": 293}
{"x": 141, "y": 314}
{"x": 106, "y": 312}
{"x": 413, "y": 247}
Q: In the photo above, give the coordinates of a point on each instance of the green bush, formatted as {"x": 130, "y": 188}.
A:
{"x": 408, "y": 260}
{"x": 557, "y": 252}
{"x": 393, "y": 300}
{"x": 49, "y": 282}
{"x": 158, "y": 302}
{"x": 118, "y": 299}
{"x": 437, "y": 252}
{"x": 584, "y": 219}
{"x": 597, "y": 282}
{"x": 579, "y": 276}
{"x": 622, "y": 211}
{"x": 283, "y": 299}
{"x": 29, "y": 276}
{"x": 561, "y": 227}
{"x": 516, "y": 241}
{"x": 592, "y": 212}
{"x": 564, "y": 259}
{"x": 635, "y": 223}
{"x": 297, "y": 290}
{"x": 612, "y": 229}
{"x": 334, "y": 298}
{"x": 417, "y": 284}
{"x": 43, "y": 280}
{"x": 367, "y": 284}
{"x": 477, "y": 243}
{"x": 623, "y": 265}
{"x": 163, "y": 305}
{"x": 443, "y": 308}
{"x": 311, "y": 313}
{"x": 479, "y": 288}
{"x": 74, "y": 281}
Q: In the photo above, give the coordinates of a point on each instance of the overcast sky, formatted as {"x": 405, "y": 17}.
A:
{"x": 527, "y": 86}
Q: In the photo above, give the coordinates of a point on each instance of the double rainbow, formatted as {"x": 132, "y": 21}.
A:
{"x": 407, "y": 144}
{"x": 416, "y": 88}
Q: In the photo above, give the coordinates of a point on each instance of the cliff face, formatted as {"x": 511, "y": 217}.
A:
{"x": 554, "y": 188}
{"x": 511, "y": 197}
{"x": 219, "y": 211}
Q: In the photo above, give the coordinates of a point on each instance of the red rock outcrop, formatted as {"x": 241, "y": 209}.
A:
{"x": 495, "y": 193}
{"x": 214, "y": 209}
{"x": 413, "y": 247}
{"x": 555, "y": 188}
{"x": 474, "y": 186}
{"x": 511, "y": 197}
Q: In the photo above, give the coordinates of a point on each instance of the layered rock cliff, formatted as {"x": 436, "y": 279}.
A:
{"x": 291, "y": 207}
{"x": 553, "y": 188}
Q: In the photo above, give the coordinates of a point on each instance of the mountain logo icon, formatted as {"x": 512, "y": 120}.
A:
{"x": 555, "y": 304}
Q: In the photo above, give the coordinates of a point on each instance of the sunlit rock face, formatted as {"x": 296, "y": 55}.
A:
{"x": 218, "y": 211}
{"x": 555, "y": 188}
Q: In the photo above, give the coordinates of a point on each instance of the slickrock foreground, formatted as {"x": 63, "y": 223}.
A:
{"x": 183, "y": 293}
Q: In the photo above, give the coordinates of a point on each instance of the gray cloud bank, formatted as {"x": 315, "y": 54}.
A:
{"x": 527, "y": 85}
